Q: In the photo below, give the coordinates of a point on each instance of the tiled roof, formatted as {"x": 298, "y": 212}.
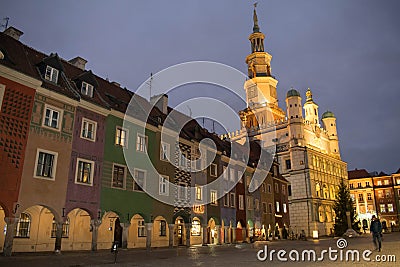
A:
{"x": 354, "y": 174}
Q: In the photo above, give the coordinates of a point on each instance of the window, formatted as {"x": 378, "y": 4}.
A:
{"x": 118, "y": 178}
{"x": 51, "y": 118}
{"x": 183, "y": 159}
{"x": 288, "y": 164}
{"x": 196, "y": 227}
{"x": 163, "y": 228}
{"x": 269, "y": 188}
{"x": 283, "y": 189}
{"x": 23, "y": 226}
{"x": 351, "y": 186}
{"x": 398, "y": 181}
{"x": 121, "y": 137}
{"x": 289, "y": 190}
{"x": 84, "y": 171}
{"x": 249, "y": 203}
{"x": 213, "y": 197}
{"x": 382, "y": 207}
{"x": 163, "y": 185}
{"x": 284, "y": 208}
{"x": 369, "y": 196}
{"x": 386, "y": 182}
{"x": 367, "y": 184}
{"x": 46, "y": 162}
{"x": 182, "y": 189}
{"x": 88, "y": 129}
{"x": 226, "y": 200}
{"x": 269, "y": 207}
{"x": 141, "y": 143}
{"x": 87, "y": 89}
{"x": 199, "y": 193}
{"x": 277, "y": 206}
{"x": 164, "y": 151}
{"x": 232, "y": 199}
{"x": 241, "y": 202}
{"x": 65, "y": 229}
{"x": 141, "y": 228}
{"x": 140, "y": 177}
{"x": 213, "y": 170}
{"x": 51, "y": 74}
{"x": 264, "y": 207}
{"x": 276, "y": 188}
{"x": 390, "y": 207}
{"x": 257, "y": 204}
{"x": 358, "y": 185}
{"x": 360, "y": 197}
{"x": 379, "y": 182}
{"x": 232, "y": 174}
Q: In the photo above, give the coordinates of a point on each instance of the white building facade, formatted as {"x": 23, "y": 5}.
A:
{"x": 307, "y": 145}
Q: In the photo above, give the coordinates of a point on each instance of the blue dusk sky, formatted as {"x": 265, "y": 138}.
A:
{"x": 346, "y": 51}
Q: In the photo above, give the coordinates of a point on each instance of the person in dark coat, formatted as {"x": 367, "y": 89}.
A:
{"x": 376, "y": 231}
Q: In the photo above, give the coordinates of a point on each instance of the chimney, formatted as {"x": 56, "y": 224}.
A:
{"x": 116, "y": 84}
{"x": 13, "y": 32}
{"x": 78, "y": 62}
{"x": 161, "y": 102}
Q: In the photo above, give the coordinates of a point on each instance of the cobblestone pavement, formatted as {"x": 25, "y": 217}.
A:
{"x": 223, "y": 255}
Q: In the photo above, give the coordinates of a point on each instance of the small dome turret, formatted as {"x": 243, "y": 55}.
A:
{"x": 328, "y": 114}
{"x": 292, "y": 92}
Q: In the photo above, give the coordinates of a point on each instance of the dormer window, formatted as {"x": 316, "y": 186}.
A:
{"x": 87, "y": 89}
{"x": 51, "y": 74}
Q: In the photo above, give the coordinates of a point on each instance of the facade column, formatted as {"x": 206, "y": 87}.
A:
{"x": 187, "y": 228}
{"x": 227, "y": 235}
{"x": 149, "y": 229}
{"x": 57, "y": 246}
{"x": 218, "y": 227}
{"x": 9, "y": 238}
{"x": 94, "y": 224}
{"x": 171, "y": 235}
{"x": 205, "y": 235}
{"x": 125, "y": 230}
{"x": 233, "y": 235}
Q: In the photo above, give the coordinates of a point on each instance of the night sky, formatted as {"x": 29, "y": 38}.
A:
{"x": 347, "y": 52}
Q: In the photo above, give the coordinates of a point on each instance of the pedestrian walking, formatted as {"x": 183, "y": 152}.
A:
{"x": 376, "y": 231}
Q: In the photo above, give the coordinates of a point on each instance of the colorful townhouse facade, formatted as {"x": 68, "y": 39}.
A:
{"x": 375, "y": 194}
{"x": 76, "y": 170}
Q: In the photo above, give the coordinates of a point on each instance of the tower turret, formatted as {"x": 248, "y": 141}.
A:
{"x": 329, "y": 123}
{"x": 295, "y": 117}
{"x": 311, "y": 109}
{"x": 293, "y": 104}
{"x": 261, "y": 87}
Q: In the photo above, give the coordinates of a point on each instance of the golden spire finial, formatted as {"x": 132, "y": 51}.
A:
{"x": 256, "y": 28}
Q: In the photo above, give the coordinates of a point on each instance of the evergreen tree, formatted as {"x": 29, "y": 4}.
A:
{"x": 344, "y": 203}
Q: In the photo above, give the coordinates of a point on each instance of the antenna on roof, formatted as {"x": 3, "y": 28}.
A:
{"x": 5, "y": 25}
{"x": 149, "y": 84}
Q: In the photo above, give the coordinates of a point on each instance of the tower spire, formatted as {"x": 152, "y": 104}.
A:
{"x": 256, "y": 28}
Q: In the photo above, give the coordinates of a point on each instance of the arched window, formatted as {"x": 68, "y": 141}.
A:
{"x": 317, "y": 189}
{"x": 196, "y": 227}
{"x": 23, "y": 226}
{"x": 65, "y": 229}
